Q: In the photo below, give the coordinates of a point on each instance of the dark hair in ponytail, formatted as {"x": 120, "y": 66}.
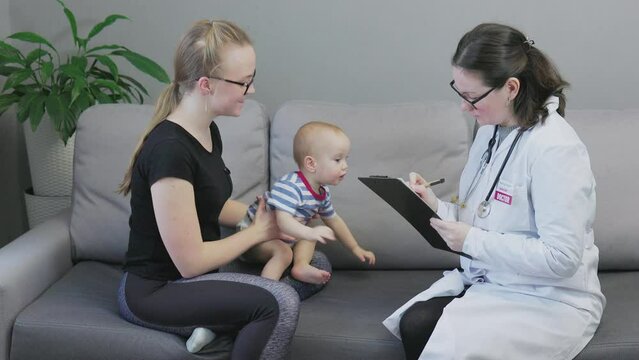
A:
{"x": 497, "y": 52}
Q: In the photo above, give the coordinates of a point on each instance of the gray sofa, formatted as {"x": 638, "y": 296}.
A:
{"x": 58, "y": 281}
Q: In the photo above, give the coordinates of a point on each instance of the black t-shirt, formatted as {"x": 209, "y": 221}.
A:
{"x": 170, "y": 151}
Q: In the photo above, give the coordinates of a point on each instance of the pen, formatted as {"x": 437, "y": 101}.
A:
{"x": 436, "y": 182}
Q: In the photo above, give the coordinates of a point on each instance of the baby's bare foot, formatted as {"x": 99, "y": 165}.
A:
{"x": 310, "y": 274}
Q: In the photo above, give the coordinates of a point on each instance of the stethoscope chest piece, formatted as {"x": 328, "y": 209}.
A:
{"x": 483, "y": 210}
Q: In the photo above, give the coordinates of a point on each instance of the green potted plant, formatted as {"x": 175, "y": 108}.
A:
{"x": 50, "y": 90}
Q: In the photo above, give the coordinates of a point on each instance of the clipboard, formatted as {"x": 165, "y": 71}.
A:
{"x": 408, "y": 204}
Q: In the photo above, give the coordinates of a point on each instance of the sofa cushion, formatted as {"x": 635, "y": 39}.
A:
{"x": 77, "y": 318}
{"x": 430, "y": 138}
{"x": 618, "y": 334}
{"x": 344, "y": 321}
{"x": 106, "y": 137}
{"x": 611, "y": 139}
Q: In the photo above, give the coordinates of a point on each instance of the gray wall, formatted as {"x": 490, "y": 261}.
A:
{"x": 368, "y": 51}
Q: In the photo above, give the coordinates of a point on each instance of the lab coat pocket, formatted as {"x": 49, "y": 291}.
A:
{"x": 512, "y": 206}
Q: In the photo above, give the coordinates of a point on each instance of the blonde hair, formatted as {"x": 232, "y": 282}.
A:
{"x": 305, "y": 144}
{"x": 197, "y": 55}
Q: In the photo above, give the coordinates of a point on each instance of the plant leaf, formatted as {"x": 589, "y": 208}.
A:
{"x": 80, "y": 62}
{"x": 17, "y": 78}
{"x": 72, "y": 71}
{"x": 55, "y": 109}
{"x": 8, "y": 70}
{"x": 9, "y": 54}
{"x": 37, "y": 110}
{"x": 6, "y": 100}
{"x": 46, "y": 70}
{"x": 24, "y": 106}
{"x": 101, "y": 97}
{"x": 78, "y": 85}
{"x": 109, "y": 84}
{"x": 26, "y": 88}
{"x": 57, "y": 106}
{"x": 72, "y": 23}
{"x": 136, "y": 83}
{"x": 144, "y": 64}
{"x": 35, "y": 55}
{"x": 106, "y": 61}
{"x": 140, "y": 96}
{"x": 68, "y": 124}
{"x": 83, "y": 101}
{"x": 82, "y": 43}
{"x": 108, "y": 21}
{"x": 106, "y": 47}
{"x": 132, "y": 90}
{"x": 32, "y": 38}
{"x": 8, "y": 50}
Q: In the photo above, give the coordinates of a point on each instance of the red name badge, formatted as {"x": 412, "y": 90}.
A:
{"x": 503, "y": 197}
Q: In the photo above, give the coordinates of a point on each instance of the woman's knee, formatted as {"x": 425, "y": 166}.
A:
{"x": 285, "y": 295}
{"x": 410, "y": 321}
{"x": 264, "y": 305}
{"x": 320, "y": 261}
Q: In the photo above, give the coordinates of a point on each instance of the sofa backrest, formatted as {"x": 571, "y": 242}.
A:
{"x": 611, "y": 139}
{"x": 105, "y": 139}
{"x": 430, "y": 138}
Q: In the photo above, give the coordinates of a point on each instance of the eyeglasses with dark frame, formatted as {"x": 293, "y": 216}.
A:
{"x": 247, "y": 85}
{"x": 471, "y": 102}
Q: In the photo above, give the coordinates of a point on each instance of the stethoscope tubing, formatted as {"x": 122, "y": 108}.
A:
{"x": 485, "y": 161}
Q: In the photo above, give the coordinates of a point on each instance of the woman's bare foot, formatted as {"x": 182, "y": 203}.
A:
{"x": 310, "y": 274}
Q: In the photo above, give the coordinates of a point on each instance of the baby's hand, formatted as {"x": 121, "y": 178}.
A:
{"x": 364, "y": 255}
{"x": 321, "y": 233}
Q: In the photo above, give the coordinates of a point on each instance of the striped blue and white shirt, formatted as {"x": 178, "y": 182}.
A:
{"x": 293, "y": 194}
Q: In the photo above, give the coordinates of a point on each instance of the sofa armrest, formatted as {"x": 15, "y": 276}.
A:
{"x": 28, "y": 266}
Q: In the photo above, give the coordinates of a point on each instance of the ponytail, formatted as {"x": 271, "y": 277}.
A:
{"x": 167, "y": 102}
{"x": 539, "y": 80}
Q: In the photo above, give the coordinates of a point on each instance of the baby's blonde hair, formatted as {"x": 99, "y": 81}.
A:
{"x": 304, "y": 143}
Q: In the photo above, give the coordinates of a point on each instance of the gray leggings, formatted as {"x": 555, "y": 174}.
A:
{"x": 304, "y": 290}
{"x": 262, "y": 312}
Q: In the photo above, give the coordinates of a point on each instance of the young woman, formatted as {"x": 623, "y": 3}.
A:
{"x": 180, "y": 191}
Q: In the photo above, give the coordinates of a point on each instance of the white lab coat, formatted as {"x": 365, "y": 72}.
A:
{"x": 535, "y": 293}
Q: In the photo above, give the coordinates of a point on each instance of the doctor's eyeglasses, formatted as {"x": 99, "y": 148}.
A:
{"x": 474, "y": 101}
{"x": 246, "y": 85}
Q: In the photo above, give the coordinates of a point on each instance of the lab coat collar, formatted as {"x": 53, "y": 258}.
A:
{"x": 504, "y": 144}
{"x": 551, "y": 104}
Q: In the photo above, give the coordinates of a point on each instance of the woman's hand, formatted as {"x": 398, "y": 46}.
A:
{"x": 422, "y": 188}
{"x": 321, "y": 233}
{"x": 453, "y": 232}
{"x": 265, "y": 223}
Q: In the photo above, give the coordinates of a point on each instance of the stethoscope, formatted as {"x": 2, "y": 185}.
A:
{"x": 483, "y": 210}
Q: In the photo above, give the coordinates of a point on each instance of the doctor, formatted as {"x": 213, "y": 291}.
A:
{"x": 524, "y": 214}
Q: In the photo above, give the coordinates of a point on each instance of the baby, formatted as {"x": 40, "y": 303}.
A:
{"x": 320, "y": 150}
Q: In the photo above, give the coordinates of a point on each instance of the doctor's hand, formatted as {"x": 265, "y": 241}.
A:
{"x": 422, "y": 188}
{"x": 453, "y": 232}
